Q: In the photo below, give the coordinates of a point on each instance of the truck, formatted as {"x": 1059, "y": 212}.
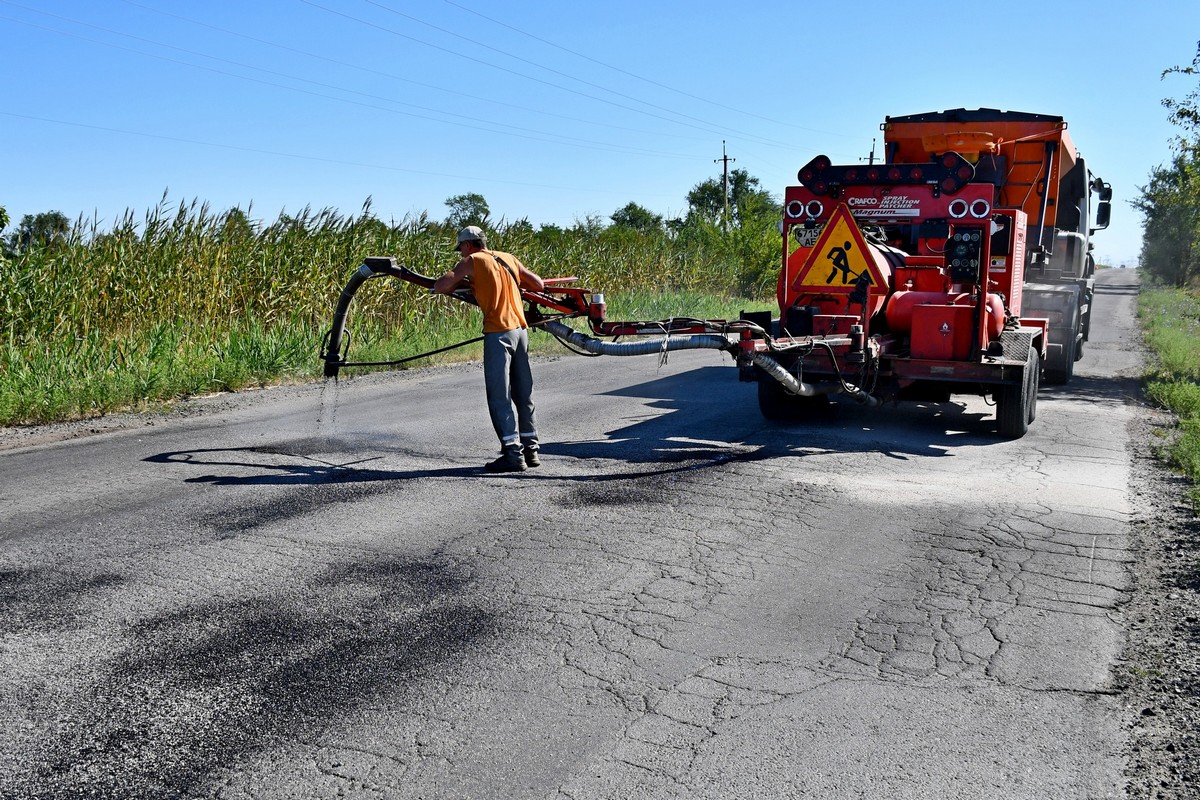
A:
{"x": 961, "y": 263}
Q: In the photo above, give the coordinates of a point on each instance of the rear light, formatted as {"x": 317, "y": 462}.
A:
{"x": 949, "y": 172}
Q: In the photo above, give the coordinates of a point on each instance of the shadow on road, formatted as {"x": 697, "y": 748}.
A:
{"x": 1110, "y": 289}
{"x": 707, "y": 413}
{"x": 1098, "y": 388}
{"x": 702, "y": 421}
{"x": 196, "y": 690}
{"x": 301, "y": 467}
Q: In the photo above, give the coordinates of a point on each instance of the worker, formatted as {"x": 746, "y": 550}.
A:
{"x": 494, "y": 277}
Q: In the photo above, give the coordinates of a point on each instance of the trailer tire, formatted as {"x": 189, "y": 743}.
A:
{"x": 1033, "y": 374}
{"x": 1062, "y": 369}
{"x": 777, "y": 405}
{"x": 1016, "y": 403}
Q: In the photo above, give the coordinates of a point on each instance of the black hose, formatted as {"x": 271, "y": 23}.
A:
{"x": 336, "y": 339}
{"x": 333, "y": 356}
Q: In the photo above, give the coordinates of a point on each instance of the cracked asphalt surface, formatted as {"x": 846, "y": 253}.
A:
{"x": 315, "y": 591}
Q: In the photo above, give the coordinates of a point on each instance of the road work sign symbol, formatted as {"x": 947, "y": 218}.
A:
{"x": 838, "y": 258}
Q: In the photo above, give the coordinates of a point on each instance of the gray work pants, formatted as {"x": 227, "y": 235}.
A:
{"x": 509, "y": 383}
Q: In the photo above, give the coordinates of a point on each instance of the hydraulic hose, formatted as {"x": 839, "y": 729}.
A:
{"x": 790, "y": 382}
{"x": 796, "y": 386}
{"x": 704, "y": 342}
{"x": 648, "y": 347}
{"x": 333, "y": 339}
{"x": 372, "y": 267}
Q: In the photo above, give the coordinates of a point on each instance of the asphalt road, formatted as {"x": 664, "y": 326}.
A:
{"x": 316, "y": 592}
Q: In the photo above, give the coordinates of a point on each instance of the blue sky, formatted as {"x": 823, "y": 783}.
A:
{"x": 553, "y": 112}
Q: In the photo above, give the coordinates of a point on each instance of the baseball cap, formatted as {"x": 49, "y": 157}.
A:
{"x": 470, "y": 234}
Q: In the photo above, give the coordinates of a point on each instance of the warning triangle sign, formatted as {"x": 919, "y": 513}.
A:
{"x": 838, "y": 258}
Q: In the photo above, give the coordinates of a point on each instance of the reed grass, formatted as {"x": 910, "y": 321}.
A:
{"x": 184, "y": 300}
{"x": 1171, "y": 319}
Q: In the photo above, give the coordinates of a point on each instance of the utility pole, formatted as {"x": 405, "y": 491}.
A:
{"x": 871, "y": 158}
{"x": 725, "y": 159}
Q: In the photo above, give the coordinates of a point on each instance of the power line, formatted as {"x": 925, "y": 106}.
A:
{"x": 388, "y": 75}
{"x": 238, "y": 70}
{"x": 623, "y": 71}
{"x": 704, "y": 124}
{"x": 515, "y": 131}
{"x": 261, "y": 151}
{"x": 551, "y": 70}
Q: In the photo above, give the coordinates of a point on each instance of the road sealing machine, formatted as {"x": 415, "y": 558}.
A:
{"x": 961, "y": 263}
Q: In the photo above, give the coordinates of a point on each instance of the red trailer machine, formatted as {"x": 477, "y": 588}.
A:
{"x": 907, "y": 279}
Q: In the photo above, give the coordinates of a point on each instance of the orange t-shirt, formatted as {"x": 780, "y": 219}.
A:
{"x": 496, "y": 291}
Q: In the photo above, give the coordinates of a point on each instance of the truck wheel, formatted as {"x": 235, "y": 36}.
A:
{"x": 1016, "y": 404}
{"x": 776, "y": 404}
{"x": 1033, "y": 374}
{"x": 1061, "y": 368}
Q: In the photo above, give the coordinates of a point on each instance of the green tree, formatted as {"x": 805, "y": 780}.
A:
{"x": 40, "y": 230}
{"x": 638, "y": 218}
{"x": 751, "y": 246}
{"x": 236, "y": 225}
{"x": 1171, "y": 200}
{"x": 467, "y": 209}
{"x": 1171, "y": 205}
{"x": 748, "y": 201}
{"x": 1186, "y": 112}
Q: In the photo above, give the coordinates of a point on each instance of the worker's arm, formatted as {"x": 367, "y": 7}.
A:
{"x": 457, "y": 278}
{"x": 531, "y": 280}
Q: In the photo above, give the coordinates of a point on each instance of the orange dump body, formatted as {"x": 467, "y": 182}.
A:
{"x": 1010, "y": 145}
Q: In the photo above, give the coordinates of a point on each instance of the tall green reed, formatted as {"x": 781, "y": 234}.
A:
{"x": 183, "y": 300}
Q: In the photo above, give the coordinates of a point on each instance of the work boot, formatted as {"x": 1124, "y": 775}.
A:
{"x": 531, "y": 456}
{"x": 510, "y": 460}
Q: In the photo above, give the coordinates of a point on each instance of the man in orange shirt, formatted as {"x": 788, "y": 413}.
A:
{"x": 495, "y": 279}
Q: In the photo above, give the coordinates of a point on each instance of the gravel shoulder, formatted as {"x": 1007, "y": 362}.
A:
{"x": 1159, "y": 678}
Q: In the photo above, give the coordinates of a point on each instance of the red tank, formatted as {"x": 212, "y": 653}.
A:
{"x": 901, "y": 304}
